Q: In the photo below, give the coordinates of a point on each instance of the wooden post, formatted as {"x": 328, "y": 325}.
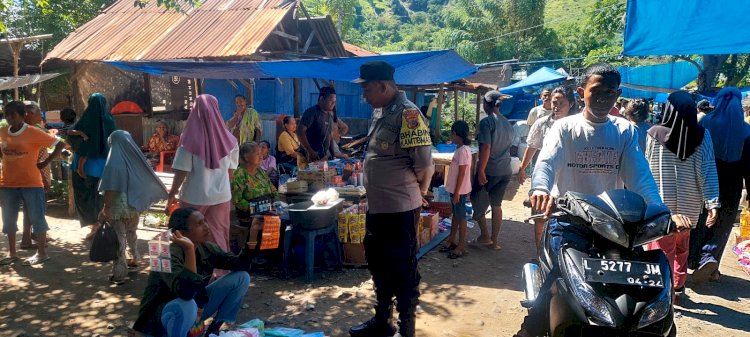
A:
{"x": 455, "y": 104}
{"x": 15, "y": 50}
{"x": 297, "y": 98}
{"x": 16, "y": 45}
{"x": 479, "y": 106}
{"x": 441, "y": 99}
{"x": 147, "y": 88}
{"x": 251, "y": 94}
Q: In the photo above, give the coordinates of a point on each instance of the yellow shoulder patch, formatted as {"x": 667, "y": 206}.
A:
{"x": 414, "y": 131}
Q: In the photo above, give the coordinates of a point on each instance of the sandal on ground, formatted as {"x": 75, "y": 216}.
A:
{"x": 35, "y": 259}
{"x": 447, "y": 248}
{"x": 494, "y": 246}
{"x": 118, "y": 281}
{"x": 8, "y": 260}
{"x": 455, "y": 254}
{"x": 481, "y": 243}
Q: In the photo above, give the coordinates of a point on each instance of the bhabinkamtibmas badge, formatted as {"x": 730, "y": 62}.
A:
{"x": 414, "y": 132}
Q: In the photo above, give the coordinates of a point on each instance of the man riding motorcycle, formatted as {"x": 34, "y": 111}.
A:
{"x": 591, "y": 152}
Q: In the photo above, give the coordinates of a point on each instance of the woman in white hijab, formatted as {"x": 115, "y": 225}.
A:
{"x": 130, "y": 187}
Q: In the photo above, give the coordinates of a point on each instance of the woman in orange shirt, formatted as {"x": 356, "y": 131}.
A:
{"x": 20, "y": 145}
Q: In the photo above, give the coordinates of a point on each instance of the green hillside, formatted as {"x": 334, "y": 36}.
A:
{"x": 480, "y": 30}
{"x": 555, "y": 9}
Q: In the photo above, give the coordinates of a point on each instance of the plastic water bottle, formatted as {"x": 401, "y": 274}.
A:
{"x": 469, "y": 214}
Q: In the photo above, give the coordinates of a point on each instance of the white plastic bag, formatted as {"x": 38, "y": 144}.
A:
{"x": 515, "y": 164}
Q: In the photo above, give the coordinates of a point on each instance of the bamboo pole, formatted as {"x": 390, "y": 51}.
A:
{"x": 455, "y": 104}
{"x": 441, "y": 100}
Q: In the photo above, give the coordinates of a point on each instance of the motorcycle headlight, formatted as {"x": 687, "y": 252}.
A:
{"x": 657, "y": 310}
{"x": 594, "y": 305}
{"x": 653, "y": 230}
{"x": 608, "y": 227}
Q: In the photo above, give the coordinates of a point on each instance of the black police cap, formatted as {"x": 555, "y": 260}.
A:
{"x": 375, "y": 71}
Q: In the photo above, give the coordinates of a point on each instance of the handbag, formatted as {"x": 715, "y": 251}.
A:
{"x": 105, "y": 244}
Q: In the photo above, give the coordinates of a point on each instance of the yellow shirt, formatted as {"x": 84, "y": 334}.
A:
{"x": 288, "y": 143}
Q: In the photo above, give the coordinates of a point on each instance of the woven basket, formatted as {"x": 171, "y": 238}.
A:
{"x": 444, "y": 208}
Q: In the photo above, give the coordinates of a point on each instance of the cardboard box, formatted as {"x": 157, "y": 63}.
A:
{"x": 325, "y": 176}
{"x": 423, "y": 237}
{"x": 297, "y": 186}
{"x": 354, "y": 254}
{"x": 429, "y": 221}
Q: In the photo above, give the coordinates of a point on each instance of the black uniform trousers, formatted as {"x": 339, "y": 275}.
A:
{"x": 391, "y": 251}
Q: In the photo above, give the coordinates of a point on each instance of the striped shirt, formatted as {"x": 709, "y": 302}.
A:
{"x": 685, "y": 186}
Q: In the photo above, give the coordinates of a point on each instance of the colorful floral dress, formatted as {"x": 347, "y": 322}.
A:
{"x": 247, "y": 187}
{"x": 156, "y": 144}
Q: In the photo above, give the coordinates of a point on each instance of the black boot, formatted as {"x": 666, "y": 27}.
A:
{"x": 378, "y": 326}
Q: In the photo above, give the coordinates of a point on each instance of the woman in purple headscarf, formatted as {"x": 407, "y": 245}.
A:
{"x": 731, "y": 139}
{"x": 205, "y": 160}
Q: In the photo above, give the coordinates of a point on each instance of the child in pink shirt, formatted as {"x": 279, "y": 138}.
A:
{"x": 459, "y": 186}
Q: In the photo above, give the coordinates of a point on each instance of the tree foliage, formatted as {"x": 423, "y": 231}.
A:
{"x": 60, "y": 17}
{"x": 487, "y": 30}
{"x": 581, "y": 32}
{"x": 341, "y": 11}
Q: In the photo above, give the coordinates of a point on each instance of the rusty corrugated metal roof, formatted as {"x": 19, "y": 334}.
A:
{"x": 356, "y": 50}
{"x": 327, "y": 32}
{"x": 217, "y": 29}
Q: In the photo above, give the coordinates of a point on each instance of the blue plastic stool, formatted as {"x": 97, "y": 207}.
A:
{"x": 310, "y": 236}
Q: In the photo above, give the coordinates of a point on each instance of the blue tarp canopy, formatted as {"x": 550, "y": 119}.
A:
{"x": 540, "y": 77}
{"x": 666, "y": 76}
{"x": 412, "y": 68}
{"x": 679, "y": 27}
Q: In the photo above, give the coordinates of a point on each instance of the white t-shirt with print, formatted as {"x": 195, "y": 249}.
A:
{"x": 586, "y": 157}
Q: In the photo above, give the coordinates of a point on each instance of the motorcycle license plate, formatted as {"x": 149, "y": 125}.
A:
{"x": 623, "y": 272}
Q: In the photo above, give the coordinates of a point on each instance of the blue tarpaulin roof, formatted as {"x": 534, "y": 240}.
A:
{"x": 540, "y": 77}
{"x": 667, "y": 76}
{"x": 412, "y": 68}
{"x": 679, "y": 27}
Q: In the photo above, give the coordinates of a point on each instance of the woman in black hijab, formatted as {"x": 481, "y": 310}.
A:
{"x": 681, "y": 157}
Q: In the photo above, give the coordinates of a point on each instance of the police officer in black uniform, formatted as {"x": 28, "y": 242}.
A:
{"x": 398, "y": 170}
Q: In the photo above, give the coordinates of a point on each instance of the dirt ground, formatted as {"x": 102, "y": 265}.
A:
{"x": 476, "y": 296}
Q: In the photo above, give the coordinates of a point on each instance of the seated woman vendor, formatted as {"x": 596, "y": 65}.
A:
{"x": 173, "y": 301}
{"x": 160, "y": 141}
{"x": 250, "y": 182}
{"x": 288, "y": 143}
